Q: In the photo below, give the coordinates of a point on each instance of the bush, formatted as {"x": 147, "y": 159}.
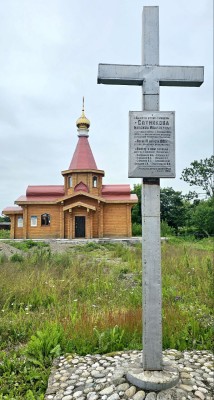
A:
{"x": 16, "y": 258}
{"x": 45, "y": 345}
{"x": 166, "y": 230}
{"x": 136, "y": 229}
{"x": 4, "y": 234}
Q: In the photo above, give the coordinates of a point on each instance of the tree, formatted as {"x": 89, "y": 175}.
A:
{"x": 173, "y": 208}
{"x": 203, "y": 217}
{"x": 172, "y": 205}
{"x": 200, "y": 173}
{"x": 4, "y": 218}
{"x": 136, "y": 210}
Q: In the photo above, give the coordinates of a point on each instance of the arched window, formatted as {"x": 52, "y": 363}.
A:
{"x": 20, "y": 222}
{"x": 33, "y": 220}
{"x": 45, "y": 219}
{"x": 94, "y": 181}
{"x": 70, "y": 181}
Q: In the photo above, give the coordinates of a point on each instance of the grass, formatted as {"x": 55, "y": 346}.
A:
{"x": 4, "y": 233}
{"x": 88, "y": 300}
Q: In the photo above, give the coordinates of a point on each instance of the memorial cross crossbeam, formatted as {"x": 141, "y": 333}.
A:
{"x": 150, "y": 75}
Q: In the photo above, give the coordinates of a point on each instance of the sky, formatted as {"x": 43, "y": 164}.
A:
{"x": 49, "y": 56}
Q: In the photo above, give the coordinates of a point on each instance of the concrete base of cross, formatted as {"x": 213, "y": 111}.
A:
{"x": 153, "y": 380}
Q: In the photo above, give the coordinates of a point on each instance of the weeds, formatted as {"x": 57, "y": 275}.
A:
{"x": 88, "y": 300}
{"x": 4, "y": 234}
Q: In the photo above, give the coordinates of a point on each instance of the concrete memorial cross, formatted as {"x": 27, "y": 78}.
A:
{"x": 150, "y": 75}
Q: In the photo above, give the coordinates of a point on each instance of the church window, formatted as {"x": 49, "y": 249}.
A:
{"x": 70, "y": 181}
{"x": 33, "y": 220}
{"x": 94, "y": 181}
{"x": 45, "y": 219}
{"x": 20, "y": 222}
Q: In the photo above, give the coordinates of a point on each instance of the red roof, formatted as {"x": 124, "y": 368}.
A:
{"x": 116, "y": 189}
{"x": 83, "y": 157}
{"x": 118, "y": 192}
{"x": 48, "y": 190}
{"x": 127, "y": 197}
{"x": 13, "y": 209}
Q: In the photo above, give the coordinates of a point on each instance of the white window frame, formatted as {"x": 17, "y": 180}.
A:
{"x": 20, "y": 222}
{"x": 33, "y": 220}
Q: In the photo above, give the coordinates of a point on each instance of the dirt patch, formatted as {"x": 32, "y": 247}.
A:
{"x": 8, "y": 250}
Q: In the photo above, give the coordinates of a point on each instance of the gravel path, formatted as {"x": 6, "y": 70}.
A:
{"x": 59, "y": 245}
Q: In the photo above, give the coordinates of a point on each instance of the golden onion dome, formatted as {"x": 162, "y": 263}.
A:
{"x": 83, "y": 122}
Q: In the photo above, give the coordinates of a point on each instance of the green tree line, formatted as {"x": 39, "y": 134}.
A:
{"x": 184, "y": 214}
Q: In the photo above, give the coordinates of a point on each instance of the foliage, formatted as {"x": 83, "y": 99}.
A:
{"x": 136, "y": 209}
{"x": 110, "y": 339}
{"x": 175, "y": 210}
{"x": 4, "y": 218}
{"x": 136, "y": 229}
{"x": 203, "y": 217}
{"x": 200, "y": 173}
{"x": 25, "y": 245}
{"x": 88, "y": 300}
{"x": 166, "y": 230}
{"x": 16, "y": 257}
{"x": 45, "y": 345}
{"x": 4, "y": 234}
{"x": 20, "y": 380}
{"x": 172, "y": 206}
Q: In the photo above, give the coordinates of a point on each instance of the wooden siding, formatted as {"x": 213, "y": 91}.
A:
{"x": 115, "y": 221}
{"x": 43, "y": 231}
{"x": 87, "y": 179}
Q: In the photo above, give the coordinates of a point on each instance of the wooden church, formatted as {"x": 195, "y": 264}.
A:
{"x": 80, "y": 208}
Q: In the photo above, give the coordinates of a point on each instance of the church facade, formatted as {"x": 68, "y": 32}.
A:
{"x": 80, "y": 208}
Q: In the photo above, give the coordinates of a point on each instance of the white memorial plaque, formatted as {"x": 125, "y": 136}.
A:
{"x": 151, "y": 144}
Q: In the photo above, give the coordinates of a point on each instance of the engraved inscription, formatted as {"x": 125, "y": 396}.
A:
{"x": 152, "y": 144}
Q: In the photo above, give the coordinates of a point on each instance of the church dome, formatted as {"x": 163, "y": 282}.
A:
{"x": 83, "y": 122}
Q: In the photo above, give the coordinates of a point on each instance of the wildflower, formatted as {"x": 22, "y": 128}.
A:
{"x": 2, "y": 310}
{"x": 75, "y": 299}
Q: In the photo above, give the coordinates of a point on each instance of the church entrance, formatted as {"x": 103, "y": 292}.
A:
{"x": 79, "y": 227}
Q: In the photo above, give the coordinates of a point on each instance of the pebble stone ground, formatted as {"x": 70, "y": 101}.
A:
{"x": 94, "y": 377}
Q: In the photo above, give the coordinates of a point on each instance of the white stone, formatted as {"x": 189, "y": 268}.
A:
{"x": 92, "y": 396}
{"x": 75, "y": 361}
{"x": 130, "y": 392}
{"x": 186, "y": 388}
{"x": 77, "y": 394}
{"x": 69, "y": 397}
{"x": 114, "y": 396}
{"x": 140, "y": 395}
{"x": 201, "y": 389}
{"x": 107, "y": 391}
{"x": 200, "y": 395}
{"x": 151, "y": 396}
{"x": 123, "y": 387}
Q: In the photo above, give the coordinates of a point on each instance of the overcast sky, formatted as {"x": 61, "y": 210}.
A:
{"x": 49, "y": 56}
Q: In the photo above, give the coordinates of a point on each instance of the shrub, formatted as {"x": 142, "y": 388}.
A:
{"x": 136, "y": 229}
{"x": 166, "y": 230}
{"x": 4, "y": 234}
{"x": 45, "y": 345}
{"x": 16, "y": 258}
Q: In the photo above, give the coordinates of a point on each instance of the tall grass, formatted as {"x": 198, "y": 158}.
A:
{"x": 90, "y": 299}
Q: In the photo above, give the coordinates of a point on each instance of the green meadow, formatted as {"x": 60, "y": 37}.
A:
{"x": 88, "y": 300}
